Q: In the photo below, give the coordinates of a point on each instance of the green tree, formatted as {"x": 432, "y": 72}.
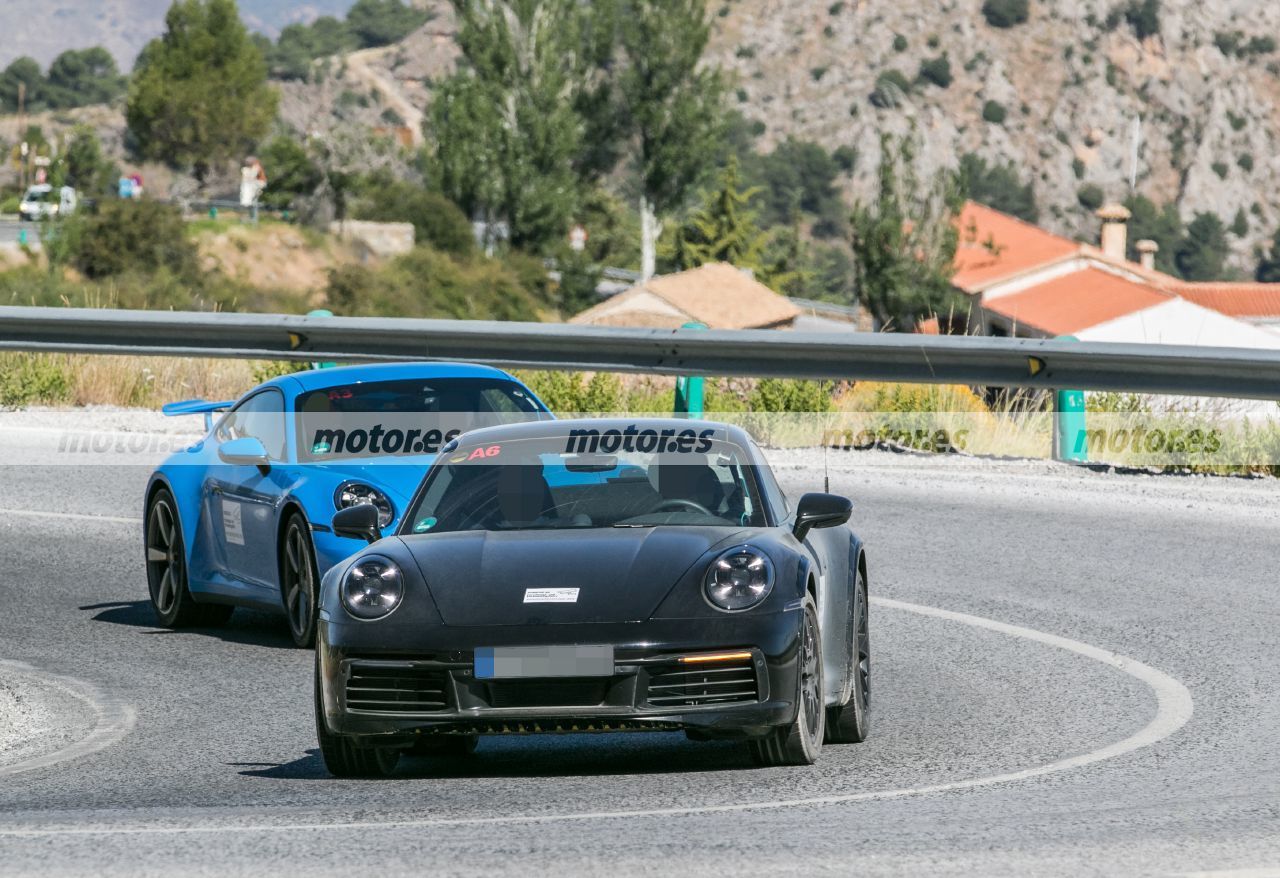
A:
{"x": 1144, "y": 17}
{"x": 1268, "y": 270}
{"x": 382, "y": 22}
{"x": 1202, "y": 252}
{"x": 299, "y": 45}
{"x": 722, "y": 230}
{"x": 1240, "y": 225}
{"x": 199, "y": 94}
{"x": 23, "y": 74}
{"x": 291, "y": 172}
{"x": 1147, "y": 222}
{"x": 904, "y": 244}
{"x": 997, "y": 186}
{"x": 84, "y": 167}
{"x": 798, "y": 174}
{"x": 82, "y": 77}
{"x": 672, "y": 105}
{"x": 1005, "y": 13}
{"x": 503, "y": 130}
{"x": 937, "y": 70}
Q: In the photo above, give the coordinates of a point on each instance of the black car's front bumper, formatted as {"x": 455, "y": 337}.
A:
{"x": 386, "y": 688}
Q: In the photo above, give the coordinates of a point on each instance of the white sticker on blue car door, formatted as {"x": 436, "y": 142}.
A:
{"x": 233, "y": 521}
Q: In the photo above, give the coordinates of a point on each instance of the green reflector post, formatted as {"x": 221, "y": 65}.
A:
{"x": 1070, "y": 439}
{"x": 689, "y": 388}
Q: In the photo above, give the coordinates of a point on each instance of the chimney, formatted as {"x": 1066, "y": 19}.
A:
{"x": 1114, "y": 230}
{"x": 1147, "y": 250}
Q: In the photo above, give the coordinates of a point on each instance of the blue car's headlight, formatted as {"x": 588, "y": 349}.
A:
{"x": 372, "y": 588}
{"x": 738, "y": 579}
{"x": 355, "y": 493}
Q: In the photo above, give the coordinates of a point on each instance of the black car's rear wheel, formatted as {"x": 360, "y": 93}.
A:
{"x": 298, "y": 581}
{"x": 167, "y": 570}
{"x": 800, "y": 742}
{"x": 850, "y": 723}
{"x": 341, "y": 755}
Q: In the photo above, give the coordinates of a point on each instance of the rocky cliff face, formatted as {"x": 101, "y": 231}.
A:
{"x": 1072, "y": 79}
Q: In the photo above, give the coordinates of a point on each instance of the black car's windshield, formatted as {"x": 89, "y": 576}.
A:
{"x": 408, "y": 416}
{"x": 546, "y": 483}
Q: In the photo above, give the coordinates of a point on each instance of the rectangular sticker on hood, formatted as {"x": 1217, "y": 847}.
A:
{"x": 551, "y": 595}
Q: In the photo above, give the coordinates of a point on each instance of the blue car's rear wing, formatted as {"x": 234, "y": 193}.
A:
{"x": 197, "y": 407}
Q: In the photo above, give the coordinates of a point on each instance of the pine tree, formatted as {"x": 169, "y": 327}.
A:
{"x": 199, "y": 94}
{"x": 1202, "y": 252}
{"x": 1268, "y": 271}
{"x": 904, "y": 245}
{"x": 723, "y": 229}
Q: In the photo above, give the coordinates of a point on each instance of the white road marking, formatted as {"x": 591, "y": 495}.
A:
{"x": 1173, "y": 710}
{"x": 114, "y": 719}
{"x": 72, "y": 516}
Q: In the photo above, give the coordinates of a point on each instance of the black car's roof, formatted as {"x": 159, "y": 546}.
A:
{"x": 551, "y": 429}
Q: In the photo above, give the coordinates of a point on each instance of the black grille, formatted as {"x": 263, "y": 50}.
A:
{"x": 570, "y": 692}
{"x": 396, "y": 688}
{"x": 691, "y": 685}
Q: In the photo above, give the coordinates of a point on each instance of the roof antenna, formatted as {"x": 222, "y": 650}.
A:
{"x": 826, "y": 478}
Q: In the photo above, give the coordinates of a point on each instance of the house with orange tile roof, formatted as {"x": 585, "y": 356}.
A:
{"x": 1025, "y": 281}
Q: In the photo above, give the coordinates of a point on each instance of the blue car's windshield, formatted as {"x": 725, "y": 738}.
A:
{"x": 549, "y": 484}
{"x": 404, "y": 417}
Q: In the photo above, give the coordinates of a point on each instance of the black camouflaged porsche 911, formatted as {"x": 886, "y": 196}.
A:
{"x": 595, "y": 575}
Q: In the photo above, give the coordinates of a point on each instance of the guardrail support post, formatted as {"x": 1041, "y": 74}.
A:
{"x": 321, "y": 312}
{"x": 689, "y": 388}
{"x": 1070, "y": 440}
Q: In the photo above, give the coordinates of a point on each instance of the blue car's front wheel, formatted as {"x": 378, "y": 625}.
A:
{"x": 167, "y": 570}
{"x": 299, "y": 580}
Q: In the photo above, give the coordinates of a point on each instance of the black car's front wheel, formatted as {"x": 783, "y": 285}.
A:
{"x": 800, "y": 742}
{"x": 167, "y": 570}
{"x": 342, "y": 757}
{"x": 299, "y": 580}
{"x": 850, "y": 723}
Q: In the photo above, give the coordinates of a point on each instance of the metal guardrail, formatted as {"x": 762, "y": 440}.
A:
{"x": 1002, "y": 362}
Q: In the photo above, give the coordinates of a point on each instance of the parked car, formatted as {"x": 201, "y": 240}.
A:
{"x": 41, "y": 201}
{"x": 595, "y": 575}
{"x": 241, "y": 518}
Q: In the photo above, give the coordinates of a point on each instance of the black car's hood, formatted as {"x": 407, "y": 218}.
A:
{"x": 622, "y": 574}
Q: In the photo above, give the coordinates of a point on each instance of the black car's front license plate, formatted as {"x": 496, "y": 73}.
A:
{"x": 522, "y": 662}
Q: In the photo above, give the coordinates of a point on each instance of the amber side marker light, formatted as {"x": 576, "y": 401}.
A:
{"x": 713, "y": 657}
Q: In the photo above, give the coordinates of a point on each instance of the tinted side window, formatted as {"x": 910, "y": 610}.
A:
{"x": 769, "y": 485}
{"x": 260, "y": 416}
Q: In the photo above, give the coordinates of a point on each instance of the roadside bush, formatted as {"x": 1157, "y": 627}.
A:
{"x": 1090, "y": 196}
{"x": 33, "y": 378}
{"x": 1005, "y": 13}
{"x": 437, "y": 221}
{"x": 780, "y": 395}
{"x": 122, "y": 236}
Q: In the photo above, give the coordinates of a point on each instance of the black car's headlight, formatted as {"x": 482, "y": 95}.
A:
{"x": 739, "y": 579}
{"x": 355, "y": 493}
{"x": 372, "y": 588}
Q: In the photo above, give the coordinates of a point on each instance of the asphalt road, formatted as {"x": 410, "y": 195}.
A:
{"x": 995, "y": 749}
{"x": 11, "y": 229}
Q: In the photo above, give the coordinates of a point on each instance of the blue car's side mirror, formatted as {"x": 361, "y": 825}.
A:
{"x": 245, "y": 451}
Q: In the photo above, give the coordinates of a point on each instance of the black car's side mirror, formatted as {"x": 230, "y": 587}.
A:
{"x": 360, "y": 521}
{"x": 820, "y": 510}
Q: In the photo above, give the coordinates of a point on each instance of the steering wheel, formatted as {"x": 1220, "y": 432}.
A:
{"x": 680, "y": 503}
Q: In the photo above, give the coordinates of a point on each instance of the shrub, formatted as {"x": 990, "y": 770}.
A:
{"x": 779, "y": 395}
{"x": 125, "y": 236}
{"x": 1078, "y": 168}
{"x": 817, "y": 73}
{"x": 1238, "y": 123}
{"x": 1221, "y": 169}
{"x": 891, "y": 87}
{"x": 998, "y": 186}
{"x": 1143, "y": 16}
{"x": 1240, "y": 225}
{"x": 845, "y": 157}
{"x": 1245, "y": 161}
{"x": 899, "y": 43}
{"x": 937, "y": 71}
{"x": 994, "y": 112}
{"x": 1005, "y": 13}
{"x": 437, "y": 221}
{"x": 1090, "y": 196}
{"x": 33, "y": 378}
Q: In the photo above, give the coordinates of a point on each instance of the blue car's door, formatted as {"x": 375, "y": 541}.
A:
{"x": 241, "y": 501}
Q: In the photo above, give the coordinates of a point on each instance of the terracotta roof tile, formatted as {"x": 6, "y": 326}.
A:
{"x": 716, "y": 294}
{"x": 1075, "y": 302}
{"x": 1233, "y": 299}
{"x": 994, "y": 246}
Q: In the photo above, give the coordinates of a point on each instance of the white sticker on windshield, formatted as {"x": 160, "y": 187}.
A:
{"x": 550, "y": 595}
{"x": 233, "y": 521}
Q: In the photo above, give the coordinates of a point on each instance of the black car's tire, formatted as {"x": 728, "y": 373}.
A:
{"x": 800, "y": 741}
{"x": 341, "y": 755}
{"x": 850, "y": 723}
{"x": 167, "y": 570}
{"x": 299, "y": 580}
{"x": 445, "y": 746}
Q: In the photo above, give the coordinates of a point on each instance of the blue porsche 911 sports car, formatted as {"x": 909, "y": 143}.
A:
{"x": 241, "y": 518}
